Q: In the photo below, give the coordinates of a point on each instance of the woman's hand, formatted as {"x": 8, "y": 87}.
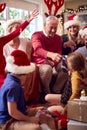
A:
{"x": 33, "y": 14}
{"x": 71, "y": 44}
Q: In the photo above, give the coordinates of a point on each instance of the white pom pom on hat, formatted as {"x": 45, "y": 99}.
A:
{"x": 72, "y": 20}
{"x": 18, "y": 63}
{"x": 83, "y": 31}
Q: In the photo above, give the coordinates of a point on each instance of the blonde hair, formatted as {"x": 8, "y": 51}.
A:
{"x": 11, "y": 23}
{"x": 11, "y": 26}
{"x": 77, "y": 62}
{"x": 78, "y": 39}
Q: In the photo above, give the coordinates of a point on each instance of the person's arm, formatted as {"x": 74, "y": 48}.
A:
{"x": 37, "y": 45}
{"x": 16, "y": 114}
{"x": 39, "y": 50}
{"x": 67, "y": 43}
{"x": 75, "y": 82}
{"x": 9, "y": 37}
{"x": 71, "y": 44}
{"x": 54, "y": 56}
{"x": 29, "y": 49}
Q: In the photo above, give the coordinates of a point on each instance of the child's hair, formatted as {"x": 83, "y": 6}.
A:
{"x": 77, "y": 62}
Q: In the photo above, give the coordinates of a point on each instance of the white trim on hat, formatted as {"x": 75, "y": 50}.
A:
{"x": 13, "y": 68}
{"x": 80, "y": 31}
{"x": 71, "y": 22}
{"x": 83, "y": 32}
{"x": 11, "y": 21}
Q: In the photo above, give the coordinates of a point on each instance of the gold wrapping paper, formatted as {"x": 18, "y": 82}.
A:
{"x": 77, "y": 110}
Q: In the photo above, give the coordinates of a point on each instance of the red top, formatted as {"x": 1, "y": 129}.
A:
{"x": 42, "y": 44}
{"x": 3, "y": 41}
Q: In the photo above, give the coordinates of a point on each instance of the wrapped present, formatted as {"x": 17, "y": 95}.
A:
{"x": 77, "y": 110}
{"x": 60, "y": 120}
{"x": 84, "y": 86}
{"x": 76, "y": 125}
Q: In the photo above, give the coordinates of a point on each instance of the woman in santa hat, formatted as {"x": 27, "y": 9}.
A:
{"x": 72, "y": 40}
{"x": 9, "y": 37}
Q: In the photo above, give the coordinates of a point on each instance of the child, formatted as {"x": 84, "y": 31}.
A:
{"x": 77, "y": 71}
{"x": 13, "y": 114}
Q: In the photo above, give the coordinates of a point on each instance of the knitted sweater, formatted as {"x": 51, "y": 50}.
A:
{"x": 42, "y": 44}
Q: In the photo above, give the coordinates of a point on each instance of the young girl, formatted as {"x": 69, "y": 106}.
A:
{"x": 77, "y": 72}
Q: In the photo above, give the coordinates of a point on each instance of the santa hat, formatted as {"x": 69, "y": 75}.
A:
{"x": 72, "y": 20}
{"x": 12, "y": 21}
{"x": 2, "y": 7}
{"x": 83, "y": 31}
{"x": 18, "y": 63}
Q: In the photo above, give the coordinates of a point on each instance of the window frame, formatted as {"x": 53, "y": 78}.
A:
{"x": 33, "y": 26}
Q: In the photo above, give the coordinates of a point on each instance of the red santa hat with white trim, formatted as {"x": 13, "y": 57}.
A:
{"x": 18, "y": 63}
{"x": 72, "y": 20}
{"x": 83, "y": 31}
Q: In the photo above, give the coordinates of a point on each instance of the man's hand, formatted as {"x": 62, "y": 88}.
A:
{"x": 54, "y": 56}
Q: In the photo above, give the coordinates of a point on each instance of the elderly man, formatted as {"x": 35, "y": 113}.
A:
{"x": 47, "y": 50}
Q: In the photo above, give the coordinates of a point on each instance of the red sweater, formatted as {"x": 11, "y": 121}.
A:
{"x": 3, "y": 41}
{"x": 42, "y": 44}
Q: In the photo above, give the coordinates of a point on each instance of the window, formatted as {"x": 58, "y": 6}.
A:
{"x": 83, "y": 19}
{"x": 11, "y": 13}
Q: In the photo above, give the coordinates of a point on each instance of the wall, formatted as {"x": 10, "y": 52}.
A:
{"x": 75, "y": 3}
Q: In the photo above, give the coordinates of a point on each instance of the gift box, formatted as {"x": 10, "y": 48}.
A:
{"x": 77, "y": 110}
{"x": 76, "y": 125}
